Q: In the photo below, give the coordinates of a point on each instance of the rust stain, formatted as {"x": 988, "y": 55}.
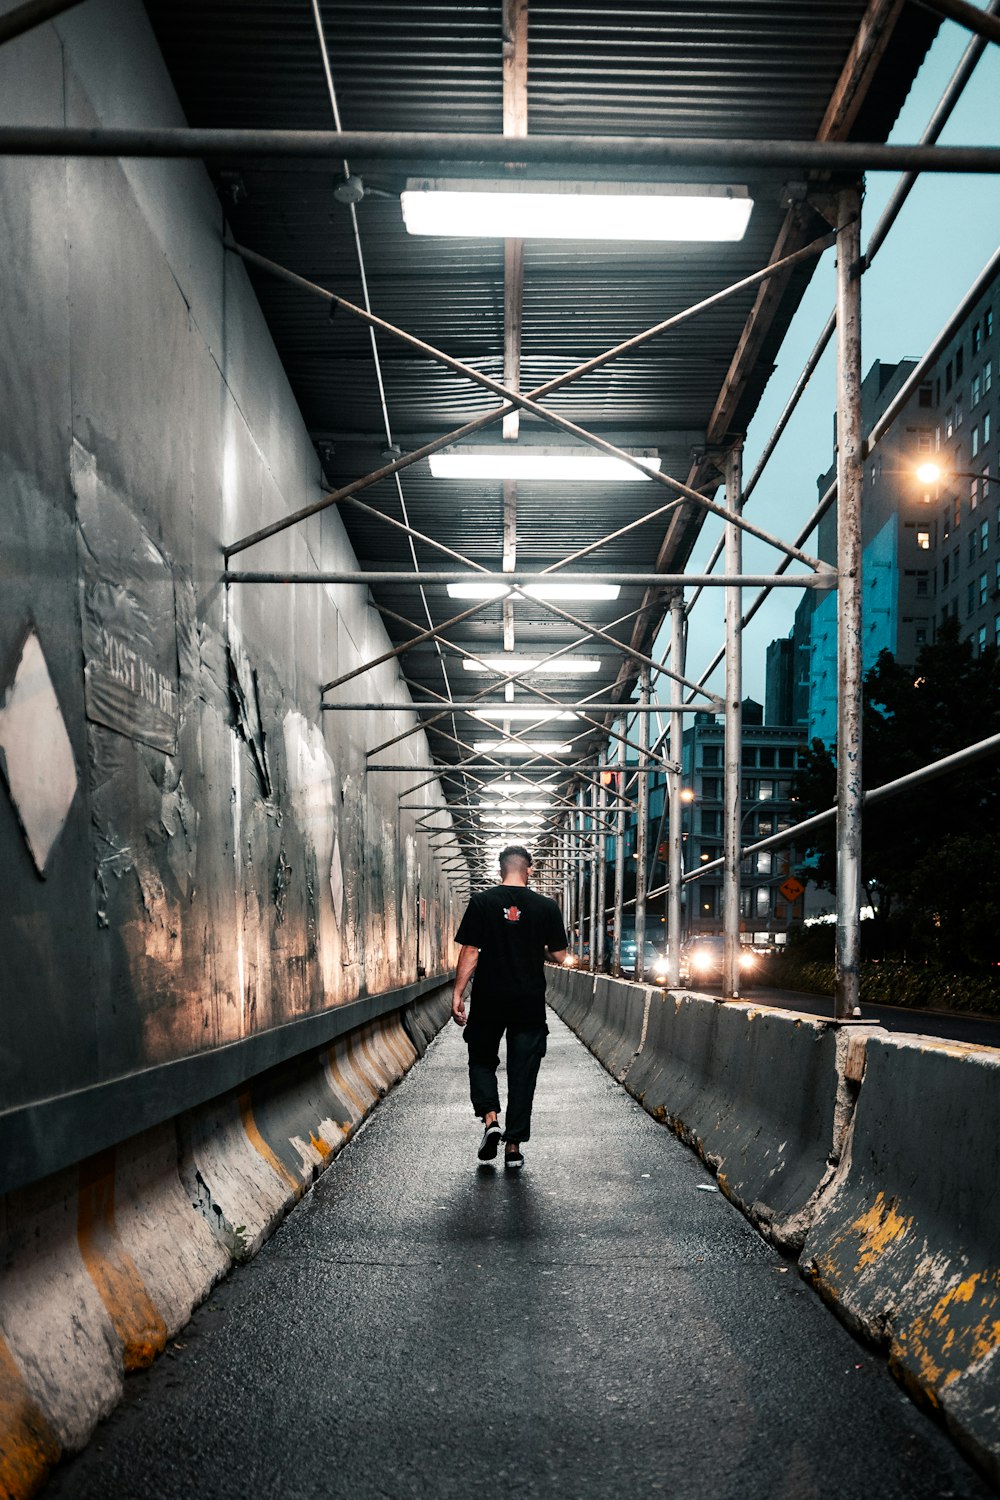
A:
{"x": 128, "y": 1304}
{"x": 941, "y": 1351}
{"x": 28, "y": 1446}
{"x": 263, "y": 1150}
{"x": 879, "y": 1227}
{"x": 318, "y": 1144}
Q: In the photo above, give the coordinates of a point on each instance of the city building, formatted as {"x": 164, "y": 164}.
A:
{"x": 931, "y": 543}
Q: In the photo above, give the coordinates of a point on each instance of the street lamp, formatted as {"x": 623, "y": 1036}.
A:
{"x": 933, "y": 473}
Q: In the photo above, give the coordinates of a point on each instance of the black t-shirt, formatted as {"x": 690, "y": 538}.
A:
{"x": 511, "y": 926}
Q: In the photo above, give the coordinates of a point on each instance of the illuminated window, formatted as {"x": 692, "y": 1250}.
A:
{"x": 981, "y": 639}
{"x": 924, "y": 540}
{"x": 984, "y": 536}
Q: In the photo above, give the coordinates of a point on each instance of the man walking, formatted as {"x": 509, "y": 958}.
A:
{"x": 505, "y": 935}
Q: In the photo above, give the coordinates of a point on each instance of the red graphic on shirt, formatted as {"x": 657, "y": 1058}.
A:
{"x": 512, "y": 913}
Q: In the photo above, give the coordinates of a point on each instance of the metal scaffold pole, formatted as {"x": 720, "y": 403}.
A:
{"x": 601, "y": 850}
{"x": 734, "y": 735}
{"x": 675, "y": 848}
{"x": 594, "y": 847}
{"x": 642, "y": 831}
{"x": 581, "y": 875}
{"x": 850, "y": 474}
{"x": 616, "y": 948}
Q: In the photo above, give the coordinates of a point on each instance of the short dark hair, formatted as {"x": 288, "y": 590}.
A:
{"x": 516, "y": 855}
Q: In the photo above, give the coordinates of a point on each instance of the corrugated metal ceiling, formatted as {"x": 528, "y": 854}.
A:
{"x": 754, "y": 69}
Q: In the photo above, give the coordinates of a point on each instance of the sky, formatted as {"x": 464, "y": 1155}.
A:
{"x": 946, "y": 233}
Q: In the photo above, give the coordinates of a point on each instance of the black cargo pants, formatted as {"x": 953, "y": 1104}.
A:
{"x": 525, "y": 1050}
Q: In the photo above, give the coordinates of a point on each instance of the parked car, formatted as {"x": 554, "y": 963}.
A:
{"x": 701, "y": 962}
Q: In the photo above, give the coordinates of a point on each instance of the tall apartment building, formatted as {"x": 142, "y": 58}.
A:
{"x": 930, "y": 550}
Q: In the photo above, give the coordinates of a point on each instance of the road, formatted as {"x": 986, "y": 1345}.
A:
{"x": 605, "y": 1324}
{"x": 980, "y": 1031}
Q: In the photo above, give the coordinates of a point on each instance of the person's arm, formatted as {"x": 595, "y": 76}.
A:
{"x": 558, "y": 956}
{"x": 467, "y": 960}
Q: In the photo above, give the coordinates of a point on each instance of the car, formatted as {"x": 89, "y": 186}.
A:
{"x": 701, "y": 962}
{"x": 654, "y": 960}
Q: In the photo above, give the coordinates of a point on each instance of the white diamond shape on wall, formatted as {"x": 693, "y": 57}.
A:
{"x": 337, "y": 881}
{"x": 35, "y": 753}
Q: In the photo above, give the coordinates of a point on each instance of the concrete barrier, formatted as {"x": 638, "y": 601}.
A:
{"x": 906, "y": 1243}
{"x": 102, "y": 1264}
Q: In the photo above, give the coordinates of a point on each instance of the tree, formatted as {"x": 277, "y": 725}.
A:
{"x": 929, "y": 855}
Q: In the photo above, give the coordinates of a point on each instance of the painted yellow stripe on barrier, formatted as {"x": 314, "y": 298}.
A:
{"x": 368, "y": 1039}
{"x": 395, "y": 1036}
{"x": 363, "y": 1066}
{"x": 259, "y": 1144}
{"x": 28, "y": 1446}
{"x": 342, "y": 1085}
{"x": 128, "y": 1304}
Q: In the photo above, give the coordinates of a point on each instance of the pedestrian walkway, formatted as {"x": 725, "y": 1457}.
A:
{"x": 605, "y": 1324}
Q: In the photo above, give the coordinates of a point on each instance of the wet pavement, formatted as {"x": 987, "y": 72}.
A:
{"x": 604, "y": 1324}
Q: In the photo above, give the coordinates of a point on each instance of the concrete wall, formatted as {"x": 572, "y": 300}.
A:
{"x": 874, "y": 1158}
{"x": 214, "y": 861}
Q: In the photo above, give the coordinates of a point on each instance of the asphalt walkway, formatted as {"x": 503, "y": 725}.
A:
{"x": 606, "y": 1324}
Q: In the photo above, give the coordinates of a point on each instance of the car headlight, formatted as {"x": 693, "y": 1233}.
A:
{"x": 748, "y": 961}
{"x": 701, "y": 960}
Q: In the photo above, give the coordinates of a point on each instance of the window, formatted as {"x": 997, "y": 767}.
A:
{"x": 984, "y": 536}
{"x": 973, "y": 493}
{"x": 975, "y": 442}
{"x": 959, "y": 362}
{"x": 986, "y": 428}
{"x": 987, "y": 377}
{"x": 924, "y": 444}
{"x": 920, "y": 635}
{"x": 762, "y": 901}
{"x": 984, "y": 584}
{"x": 981, "y": 639}
{"x": 977, "y": 337}
{"x": 945, "y": 572}
{"x": 972, "y": 546}
{"x": 958, "y": 511}
{"x": 949, "y": 376}
{"x": 711, "y": 755}
{"x": 970, "y": 599}
{"x": 924, "y": 540}
{"x": 949, "y": 422}
{"x": 925, "y": 396}
{"x": 922, "y": 587}
{"x": 748, "y": 755}
{"x": 958, "y": 413}
{"x": 996, "y": 631}
{"x": 786, "y": 759}
{"x": 765, "y": 791}
{"x": 975, "y": 390}
{"x": 711, "y": 822}
{"x": 711, "y": 787}
{"x": 764, "y": 863}
{"x": 988, "y": 323}
{"x": 767, "y": 757}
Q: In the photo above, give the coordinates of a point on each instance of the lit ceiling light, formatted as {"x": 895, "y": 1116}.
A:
{"x": 499, "y": 821}
{"x": 579, "y": 465}
{"x": 496, "y": 209}
{"x": 519, "y": 788}
{"x": 554, "y": 591}
{"x": 520, "y": 747}
{"x": 514, "y": 662}
{"x": 525, "y": 715}
{"x": 518, "y": 807}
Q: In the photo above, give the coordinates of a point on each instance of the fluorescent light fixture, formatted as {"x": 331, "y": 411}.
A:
{"x": 555, "y": 591}
{"x": 520, "y": 747}
{"x": 514, "y": 662}
{"x": 517, "y": 806}
{"x": 519, "y": 788}
{"x": 499, "y": 821}
{"x": 578, "y": 465}
{"x": 524, "y": 715}
{"x": 497, "y": 209}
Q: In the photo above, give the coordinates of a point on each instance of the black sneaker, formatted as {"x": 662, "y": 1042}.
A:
{"x": 490, "y": 1143}
{"x": 513, "y": 1160}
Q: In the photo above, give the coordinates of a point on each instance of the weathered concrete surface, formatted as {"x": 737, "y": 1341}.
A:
{"x": 225, "y": 866}
{"x": 598, "y": 1326}
{"x": 102, "y": 1264}
{"x": 906, "y": 1242}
